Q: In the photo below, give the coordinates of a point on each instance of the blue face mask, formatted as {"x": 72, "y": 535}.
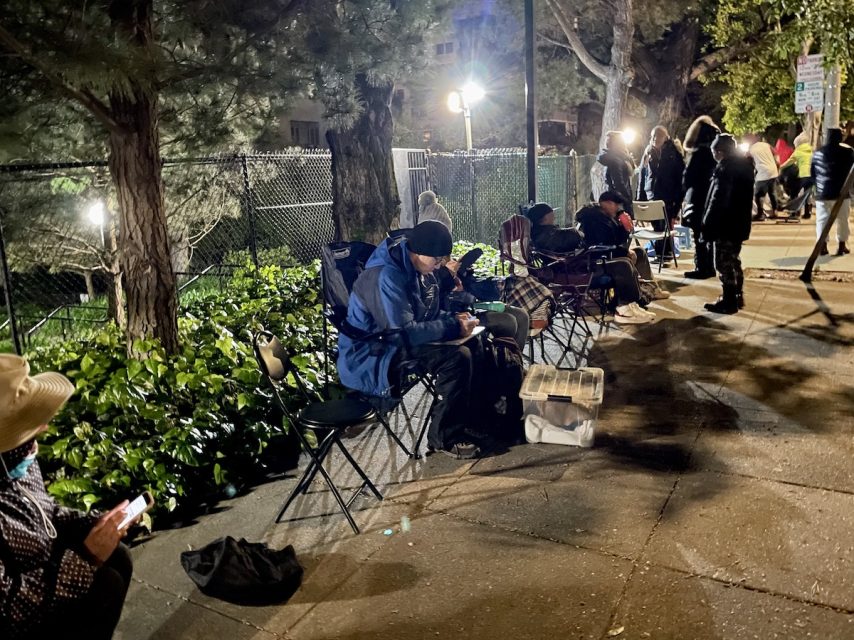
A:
{"x": 21, "y": 469}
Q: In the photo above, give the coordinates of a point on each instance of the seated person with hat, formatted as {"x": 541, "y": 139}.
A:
{"x": 620, "y": 271}
{"x": 63, "y": 573}
{"x": 398, "y": 290}
{"x": 608, "y": 224}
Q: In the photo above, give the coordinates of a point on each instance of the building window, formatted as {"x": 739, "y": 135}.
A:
{"x": 305, "y": 133}
{"x": 444, "y": 48}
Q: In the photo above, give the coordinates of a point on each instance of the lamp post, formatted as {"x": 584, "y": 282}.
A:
{"x": 96, "y": 214}
{"x": 461, "y": 101}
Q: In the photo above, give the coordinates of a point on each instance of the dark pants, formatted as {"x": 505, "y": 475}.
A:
{"x": 452, "y": 367}
{"x": 806, "y": 183}
{"x": 765, "y": 188}
{"x": 671, "y": 208}
{"x": 703, "y": 254}
{"x": 728, "y": 263}
{"x": 95, "y": 615}
{"x": 620, "y": 274}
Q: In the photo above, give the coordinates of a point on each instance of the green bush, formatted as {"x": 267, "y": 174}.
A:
{"x": 489, "y": 263}
{"x": 188, "y": 427}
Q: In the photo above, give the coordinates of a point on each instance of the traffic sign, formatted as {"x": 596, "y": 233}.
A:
{"x": 809, "y": 88}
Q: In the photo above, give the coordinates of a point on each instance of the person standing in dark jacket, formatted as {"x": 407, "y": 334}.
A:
{"x": 618, "y": 167}
{"x": 829, "y": 169}
{"x": 661, "y": 171}
{"x": 695, "y": 187}
{"x": 727, "y": 218}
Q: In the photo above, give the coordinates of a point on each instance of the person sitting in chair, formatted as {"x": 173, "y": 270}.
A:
{"x": 63, "y": 573}
{"x": 607, "y": 224}
{"x": 398, "y": 290}
{"x": 546, "y": 236}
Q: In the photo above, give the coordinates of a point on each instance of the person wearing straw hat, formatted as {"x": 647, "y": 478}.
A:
{"x": 62, "y": 572}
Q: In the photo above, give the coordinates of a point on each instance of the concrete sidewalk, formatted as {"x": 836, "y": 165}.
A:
{"x": 717, "y": 502}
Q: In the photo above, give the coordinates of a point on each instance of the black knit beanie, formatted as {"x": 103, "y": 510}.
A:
{"x": 430, "y": 238}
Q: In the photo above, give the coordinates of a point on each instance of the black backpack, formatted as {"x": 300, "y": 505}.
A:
{"x": 498, "y": 382}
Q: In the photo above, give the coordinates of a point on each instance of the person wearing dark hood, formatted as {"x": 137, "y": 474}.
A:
{"x": 661, "y": 171}
{"x": 399, "y": 290}
{"x": 618, "y": 167}
{"x": 695, "y": 187}
{"x": 727, "y": 219}
{"x": 829, "y": 169}
{"x": 63, "y": 573}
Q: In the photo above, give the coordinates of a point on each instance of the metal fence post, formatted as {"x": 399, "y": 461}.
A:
{"x": 476, "y": 217}
{"x": 7, "y": 286}
{"x": 250, "y": 209}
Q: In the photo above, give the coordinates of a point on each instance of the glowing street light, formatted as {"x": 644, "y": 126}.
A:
{"x": 461, "y": 101}
{"x": 629, "y": 135}
{"x": 96, "y": 214}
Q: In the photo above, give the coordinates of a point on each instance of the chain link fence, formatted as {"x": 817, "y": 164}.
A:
{"x": 60, "y": 232}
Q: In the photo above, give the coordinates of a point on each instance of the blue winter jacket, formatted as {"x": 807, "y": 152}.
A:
{"x": 386, "y": 296}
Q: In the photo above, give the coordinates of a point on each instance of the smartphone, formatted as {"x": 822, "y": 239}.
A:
{"x": 136, "y": 508}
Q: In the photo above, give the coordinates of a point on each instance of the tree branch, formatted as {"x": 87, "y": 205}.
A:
{"x": 95, "y": 106}
{"x": 575, "y": 44}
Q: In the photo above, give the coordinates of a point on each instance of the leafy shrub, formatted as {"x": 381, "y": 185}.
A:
{"x": 489, "y": 263}
{"x": 187, "y": 427}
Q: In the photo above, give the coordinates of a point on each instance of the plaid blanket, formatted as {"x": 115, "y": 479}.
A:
{"x": 531, "y": 295}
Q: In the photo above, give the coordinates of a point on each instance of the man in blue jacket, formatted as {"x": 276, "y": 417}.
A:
{"x": 398, "y": 290}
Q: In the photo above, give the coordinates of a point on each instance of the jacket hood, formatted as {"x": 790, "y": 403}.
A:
{"x": 701, "y": 133}
{"x": 586, "y": 212}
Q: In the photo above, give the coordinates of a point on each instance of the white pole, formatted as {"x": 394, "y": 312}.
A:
{"x": 467, "y": 115}
{"x": 832, "y": 98}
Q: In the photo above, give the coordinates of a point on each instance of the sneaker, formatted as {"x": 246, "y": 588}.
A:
{"x": 661, "y": 294}
{"x": 462, "y": 451}
{"x": 626, "y": 315}
{"x": 639, "y": 310}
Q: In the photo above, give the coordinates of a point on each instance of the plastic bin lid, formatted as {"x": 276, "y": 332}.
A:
{"x": 546, "y": 382}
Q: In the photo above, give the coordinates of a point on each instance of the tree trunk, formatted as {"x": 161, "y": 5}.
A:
{"x": 90, "y": 286}
{"x": 617, "y": 80}
{"x": 671, "y": 75}
{"x": 148, "y": 279}
{"x": 364, "y": 191}
{"x": 135, "y": 165}
{"x": 115, "y": 298}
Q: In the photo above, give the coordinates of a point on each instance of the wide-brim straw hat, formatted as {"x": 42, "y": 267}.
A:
{"x": 27, "y": 402}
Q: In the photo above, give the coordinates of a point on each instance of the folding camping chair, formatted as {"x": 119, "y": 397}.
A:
{"x": 341, "y": 264}
{"x": 654, "y": 211}
{"x": 330, "y": 420}
{"x": 568, "y": 277}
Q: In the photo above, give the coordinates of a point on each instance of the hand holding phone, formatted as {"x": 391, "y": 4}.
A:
{"x": 140, "y": 505}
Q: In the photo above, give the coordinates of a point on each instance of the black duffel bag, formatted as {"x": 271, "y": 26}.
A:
{"x": 242, "y": 572}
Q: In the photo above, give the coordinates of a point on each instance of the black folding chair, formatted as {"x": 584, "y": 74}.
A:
{"x": 341, "y": 264}
{"x": 330, "y": 420}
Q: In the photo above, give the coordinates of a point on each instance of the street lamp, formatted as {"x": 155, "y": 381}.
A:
{"x": 96, "y": 213}
{"x": 629, "y": 135}
{"x": 461, "y": 101}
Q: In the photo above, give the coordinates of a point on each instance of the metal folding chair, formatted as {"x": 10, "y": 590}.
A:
{"x": 341, "y": 264}
{"x": 329, "y": 420}
{"x": 653, "y": 211}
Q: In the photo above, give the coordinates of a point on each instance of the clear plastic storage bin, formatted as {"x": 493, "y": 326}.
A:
{"x": 561, "y": 405}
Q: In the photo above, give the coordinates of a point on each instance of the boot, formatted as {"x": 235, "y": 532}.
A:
{"x": 727, "y": 303}
{"x": 739, "y": 291}
{"x": 842, "y": 250}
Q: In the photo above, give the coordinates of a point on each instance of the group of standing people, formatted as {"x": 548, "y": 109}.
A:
{"x": 715, "y": 187}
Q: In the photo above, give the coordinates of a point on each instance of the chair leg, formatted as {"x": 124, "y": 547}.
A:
{"x": 338, "y": 498}
{"x": 416, "y": 455}
{"x": 316, "y": 456}
{"x": 384, "y": 422}
{"x": 366, "y": 481}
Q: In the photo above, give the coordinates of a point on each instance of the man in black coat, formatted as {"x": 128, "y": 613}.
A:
{"x": 727, "y": 217}
{"x": 829, "y": 169}
{"x": 618, "y": 167}
{"x": 661, "y": 171}
{"x": 695, "y": 188}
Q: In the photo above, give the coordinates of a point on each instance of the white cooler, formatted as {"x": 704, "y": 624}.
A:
{"x": 561, "y": 405}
